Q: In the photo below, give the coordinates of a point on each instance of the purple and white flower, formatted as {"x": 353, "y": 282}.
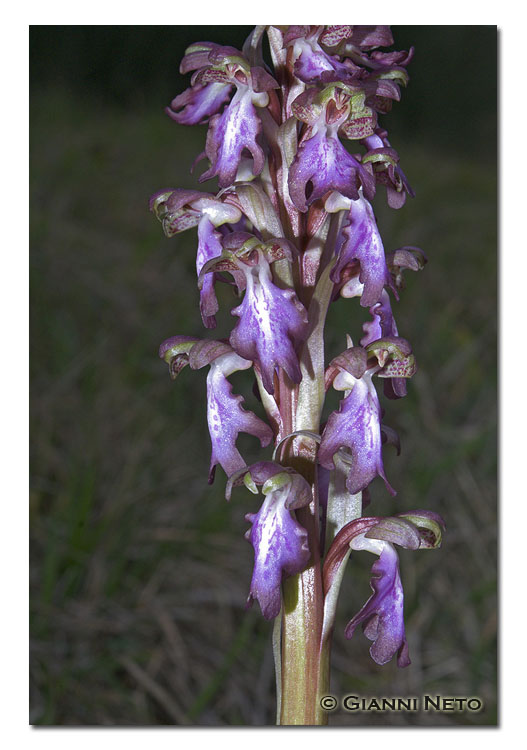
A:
{"x": 272, "y": 324}
{"x": 225, "y": 416}
{"x": 178, "y": 210}
{"x": 355, "y": 427}
{"x": 382, "y": 616}
{"x": 280, "y": 543}
{"x": 361, "y": 241}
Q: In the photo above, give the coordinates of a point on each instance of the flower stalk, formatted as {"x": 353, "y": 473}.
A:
{"x": 291, "y": 228}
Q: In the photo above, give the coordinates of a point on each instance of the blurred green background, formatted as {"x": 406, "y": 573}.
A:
{"x": 139, "y": 569}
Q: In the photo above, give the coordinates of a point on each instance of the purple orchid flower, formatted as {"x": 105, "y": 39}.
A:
{"x": 356, "y": 426}
{"x": 382, "y": 616}
{"x": 322, "y": 164}
{"x": 204, "y": 98}
{"x": 225, "y": 416}
{"x": 272, "y": 323}
{"x": 234, "y": 133}
{"x": 355, "y": 429}
{"x": 179, "y": 210}
{"x": 360, "y": 240}
{"x": 280, "y": 543}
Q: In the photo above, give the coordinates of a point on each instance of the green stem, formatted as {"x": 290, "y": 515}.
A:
{"x": 301, "y": 634}
{"x": 303, "y": 679}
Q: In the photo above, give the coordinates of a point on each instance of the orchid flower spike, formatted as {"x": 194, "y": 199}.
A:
{"x": 295, "y": 152}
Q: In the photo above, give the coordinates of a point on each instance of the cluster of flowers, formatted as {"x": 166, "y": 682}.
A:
{"x": 293, "y": 217}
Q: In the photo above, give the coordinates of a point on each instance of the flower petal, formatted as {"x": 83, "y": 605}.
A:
{"x": 209, "y": 247}
{"x": 357, "y": 427}
{"x": 280, "y": 548}
{"x": 272, "y": 323}
{"x": 360, "y": 240}
{"x": 198, "y": 103}
{"x": 382, "y": 615}
{"x": 226, "y": 418}
{"x": 229, "y": 134}
{"x": 323, "y": 163}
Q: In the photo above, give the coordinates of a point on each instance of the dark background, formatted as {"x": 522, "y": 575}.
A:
{"x": 139, "y": 569}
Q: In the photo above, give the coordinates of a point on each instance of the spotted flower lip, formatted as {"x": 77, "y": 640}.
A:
{"x": 280, "y": 543}
{"x": 360, "y": 240}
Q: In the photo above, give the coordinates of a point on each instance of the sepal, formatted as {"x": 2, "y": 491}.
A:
{"x": 407, "y": 257}
{"x": 175, "y": 352}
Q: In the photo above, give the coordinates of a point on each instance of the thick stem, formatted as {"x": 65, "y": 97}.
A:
{"x": 303, "y": 679}
{"x": 303, "y": 612}
{"x": 301, "y": 633}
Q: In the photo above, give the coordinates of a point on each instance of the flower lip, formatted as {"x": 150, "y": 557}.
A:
{"x": 196, "y": 105}
{"x": 280, "y": 543}
{"x": 225, "y": 416}
{"x": 355, "y": 432}
{"x": 360, "y": 240}
{"x": 322, "y": 165}
{"x": 272, "y": 323}
{"x": 382, "y": 616}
